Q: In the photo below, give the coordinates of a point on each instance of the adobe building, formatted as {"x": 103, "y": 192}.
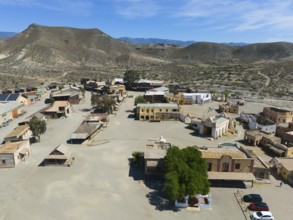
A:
{"x": 58, "y": 109}
{"x": 228, "y": 163}
{"x": 155, "y": 97}
{"x": 229, "y": 107}
{"x": 20, "y": 133}
{"x": 12, "y": 153}
{"x": 286, "y": 134}
{"x": 278, "y": 115}
{"x": 284, "y": 167}
{"x": 158, "y": 111}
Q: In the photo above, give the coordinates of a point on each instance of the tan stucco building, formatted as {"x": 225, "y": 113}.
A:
{"x": 13, "y": 153}
{"x": 278, "y": 115}
{"x": 227, "y": 160}
{"x": 158, "y": 111}
{"x": 284, "y": 167}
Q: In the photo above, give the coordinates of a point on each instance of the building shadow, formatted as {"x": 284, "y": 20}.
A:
{"x": 227, "y": 184}
{"x": 131, "y": 116}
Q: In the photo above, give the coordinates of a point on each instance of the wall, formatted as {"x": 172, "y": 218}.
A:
{"x": 9, "y": 161}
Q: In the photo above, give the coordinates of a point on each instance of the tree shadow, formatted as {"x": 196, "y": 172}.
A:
{"x": 156, "y": 197}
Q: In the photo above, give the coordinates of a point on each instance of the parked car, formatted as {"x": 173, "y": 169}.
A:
{"x": 262, "y": 215}
{"x": 258, "y": 206}
{"x": 252, "y": 198}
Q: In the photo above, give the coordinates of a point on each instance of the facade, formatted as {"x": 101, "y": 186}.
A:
{"x": 227, "y": 160}
{"x": 158, "y": 111}
{"x": 229, "y": 107}
{"x": 60, "y": 156}
{"x": 278, "y": 115}
{"x": 58, "y": 109}
{"x": 13, "y": 153}
{"x": 197, "y": 98}
{"x": 120, "y": 89}
{"x": 11, "y": 110}
{"x": 154, "y": 154}
{"x": 215, "y": 126}
{"x": 284, "y": 168}
{"x": 20, "y": 133}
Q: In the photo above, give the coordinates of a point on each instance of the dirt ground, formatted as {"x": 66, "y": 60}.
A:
{"x": 101, "y": 185}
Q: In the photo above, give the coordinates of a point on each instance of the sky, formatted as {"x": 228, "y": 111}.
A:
{"x": 249, "y": 21}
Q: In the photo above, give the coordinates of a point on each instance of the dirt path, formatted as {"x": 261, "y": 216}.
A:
{"x": 268, "y": 81}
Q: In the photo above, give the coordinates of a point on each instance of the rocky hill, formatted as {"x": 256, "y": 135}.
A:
{"x": 61, "y": 47}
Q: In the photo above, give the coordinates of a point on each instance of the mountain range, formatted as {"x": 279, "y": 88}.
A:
{"x": 57, "y": 47}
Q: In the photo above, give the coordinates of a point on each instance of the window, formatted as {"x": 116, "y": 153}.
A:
{"x": 147, "y": 111}
{"x": 209, "y": 166}
{"x": 174, "y": 110}
{"x": 225, "y": 167}
{"x": 160, "y": 110}
{"x": 166, "y": 110}
{"x": 237, "y": 166}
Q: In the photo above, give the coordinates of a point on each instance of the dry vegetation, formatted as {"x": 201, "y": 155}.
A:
{"x": 41, "y": 54}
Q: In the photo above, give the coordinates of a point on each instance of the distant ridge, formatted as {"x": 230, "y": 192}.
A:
{"x": 169, "y": 41}
{"x": 5, "y": 35}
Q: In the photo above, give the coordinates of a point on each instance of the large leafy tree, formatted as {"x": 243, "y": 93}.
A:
{"x": 130, "y": 76}
{"x": 139, "y": 99}
{"x": 185, "y": 173}
{"x": 103, "y": 102}
{"x": 38, "y": 127}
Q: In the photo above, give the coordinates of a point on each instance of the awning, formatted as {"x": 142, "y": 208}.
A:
{"x": 231, "y": 176}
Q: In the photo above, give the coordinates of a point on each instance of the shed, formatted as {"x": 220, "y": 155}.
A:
{"x": 60, "y": 156}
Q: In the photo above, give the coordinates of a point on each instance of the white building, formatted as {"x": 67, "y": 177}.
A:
{"x": 215, "y": 126}
{"x": 197, "y": 98}
{"x": 11, "y": 110}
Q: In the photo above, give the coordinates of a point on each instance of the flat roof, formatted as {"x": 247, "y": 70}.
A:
{"x": 231, "y": 176}
{"x": 56, "y": 105}
{"x": 157, "y": 105}
{"x": 287, "y": 162}
{"x": 18, "y": 131}
{"x": 217, "y": 153}
{"x": 7, "y": 107}
{"x": 154, "y": 93}
{"x": 11, "y": 147}
{"x": 156, "y": 151}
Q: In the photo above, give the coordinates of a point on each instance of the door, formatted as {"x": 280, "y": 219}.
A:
{"x": 225, "y": 167}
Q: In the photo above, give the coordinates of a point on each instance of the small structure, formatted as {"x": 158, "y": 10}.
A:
{"x": 229, "y": 107}
{"x": 278, "y": 115}
{"x": 117, "y": 81}
{"x": 12, "y": 153}
{"x": 60, "y": 156}
{"x": 154, "y": 154}
{"x": 120, "y": 89}
{"x": 284, "y": 166}
{"x": 71, "y": 94}
{"x": 20, "y": 133}
{"x": 197, "y": 98}
{"x": 58, "y": 109}
{"x": 157, "y": 111}
{"x": 145, "y": 84}
{"x": 89, "y": 128}
{"x": 215, "y": 126}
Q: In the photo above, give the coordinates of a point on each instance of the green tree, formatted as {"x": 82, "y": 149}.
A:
{"x": 139, "y": 99}
{"x": 130, "y": 76}
{"x": 38, "y": 127}
{"x": 185, "y": 173}
{"x": 103, "y": 102}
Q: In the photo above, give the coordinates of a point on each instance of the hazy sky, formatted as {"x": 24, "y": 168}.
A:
{"x": 199, "y": 20}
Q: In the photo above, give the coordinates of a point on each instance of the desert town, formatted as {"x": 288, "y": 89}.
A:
{"x": 102, "y": 151}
